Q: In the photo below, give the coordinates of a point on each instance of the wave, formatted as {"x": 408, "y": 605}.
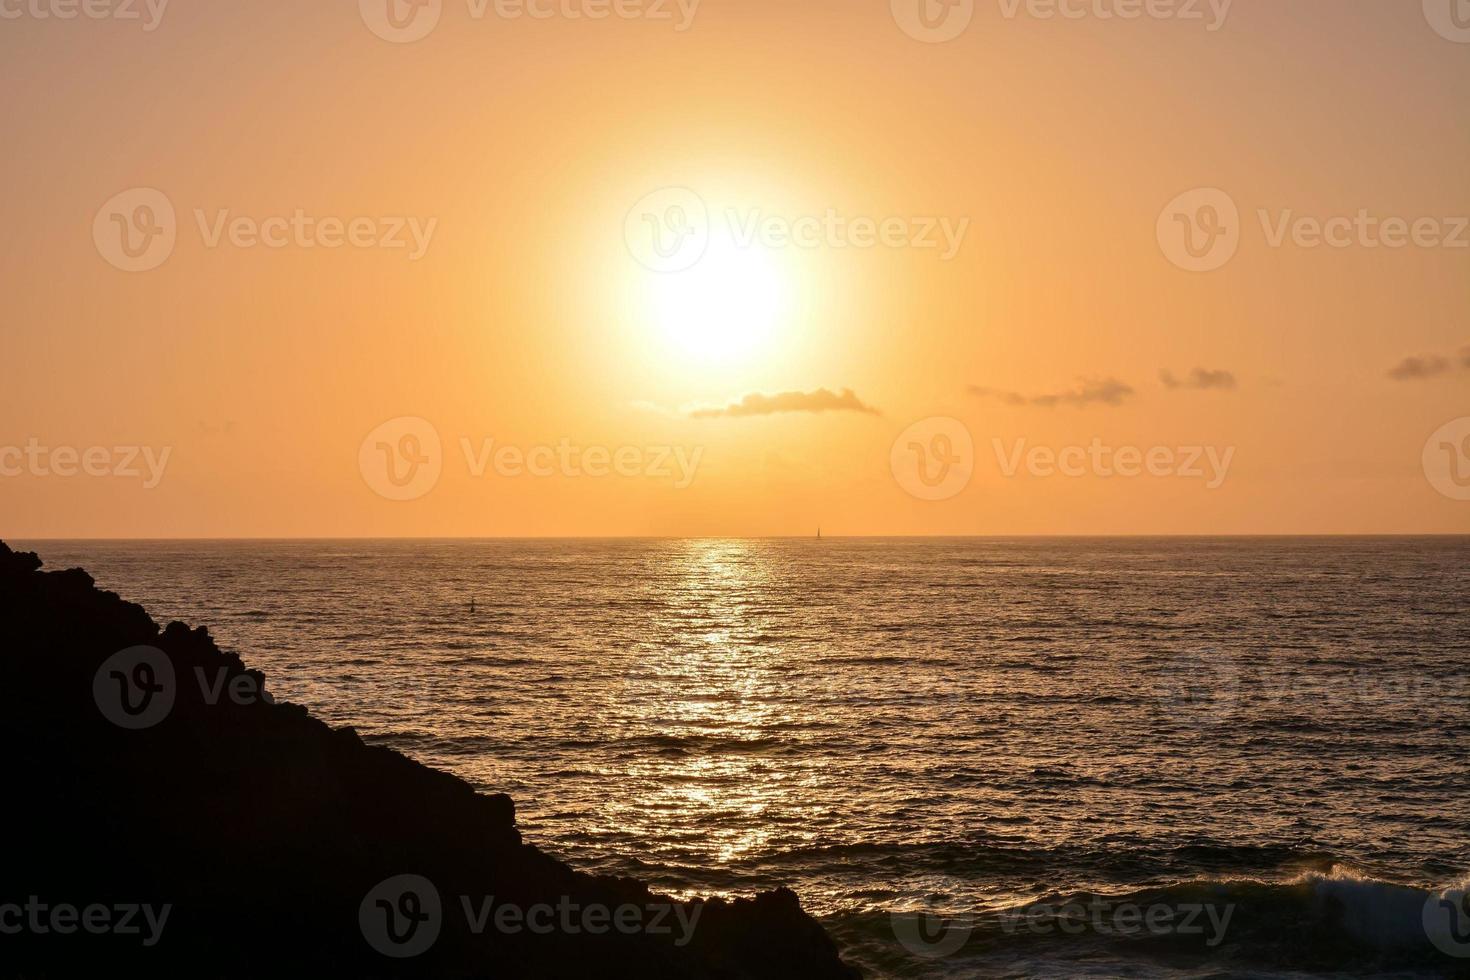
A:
{"x": 1121, "y": 858}
{"x": 1338, "y": 923}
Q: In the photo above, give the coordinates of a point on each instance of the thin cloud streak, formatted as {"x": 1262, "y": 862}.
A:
{"x": 1107, "y": 391}
{"x": 1419, "y": 368}
{"x": 1200, "y": 379}
{"x": 758, "y": 403}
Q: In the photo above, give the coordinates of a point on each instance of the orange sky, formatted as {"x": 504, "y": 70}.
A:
{"x": 524, "y": 152}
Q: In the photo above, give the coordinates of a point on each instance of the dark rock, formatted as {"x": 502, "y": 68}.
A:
{"x": 268, "y": 835}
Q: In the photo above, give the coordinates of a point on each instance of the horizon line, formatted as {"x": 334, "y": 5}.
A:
{"x": 758, "y": 537}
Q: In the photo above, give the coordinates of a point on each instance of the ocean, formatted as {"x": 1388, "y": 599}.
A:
{"x": 971, "y": 757}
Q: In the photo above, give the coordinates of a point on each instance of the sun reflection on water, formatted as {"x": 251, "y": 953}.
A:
{"x": 719, "y": 687}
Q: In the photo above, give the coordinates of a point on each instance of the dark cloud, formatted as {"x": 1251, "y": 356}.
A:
{"x": 758, "y": 403}
{"x": 1108, "y": 391}
{"x": 1418, "y": 368}
{"x": 1202, "y": 379}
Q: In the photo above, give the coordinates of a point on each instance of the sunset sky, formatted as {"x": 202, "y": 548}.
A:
{"x": 530, "y": 154}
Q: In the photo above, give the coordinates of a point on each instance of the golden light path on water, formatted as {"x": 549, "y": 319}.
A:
{"x": 713, "y": 688}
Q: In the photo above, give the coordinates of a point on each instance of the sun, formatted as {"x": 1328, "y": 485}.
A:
{"x": 728, "y": 308}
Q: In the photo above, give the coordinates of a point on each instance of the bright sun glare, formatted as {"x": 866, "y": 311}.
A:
{"x": 727, "y": 308}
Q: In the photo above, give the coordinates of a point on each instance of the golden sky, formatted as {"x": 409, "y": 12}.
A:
{"x": 734, "y": 267}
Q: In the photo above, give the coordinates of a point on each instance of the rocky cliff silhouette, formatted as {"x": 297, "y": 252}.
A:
{"x": 164, "y": 817}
